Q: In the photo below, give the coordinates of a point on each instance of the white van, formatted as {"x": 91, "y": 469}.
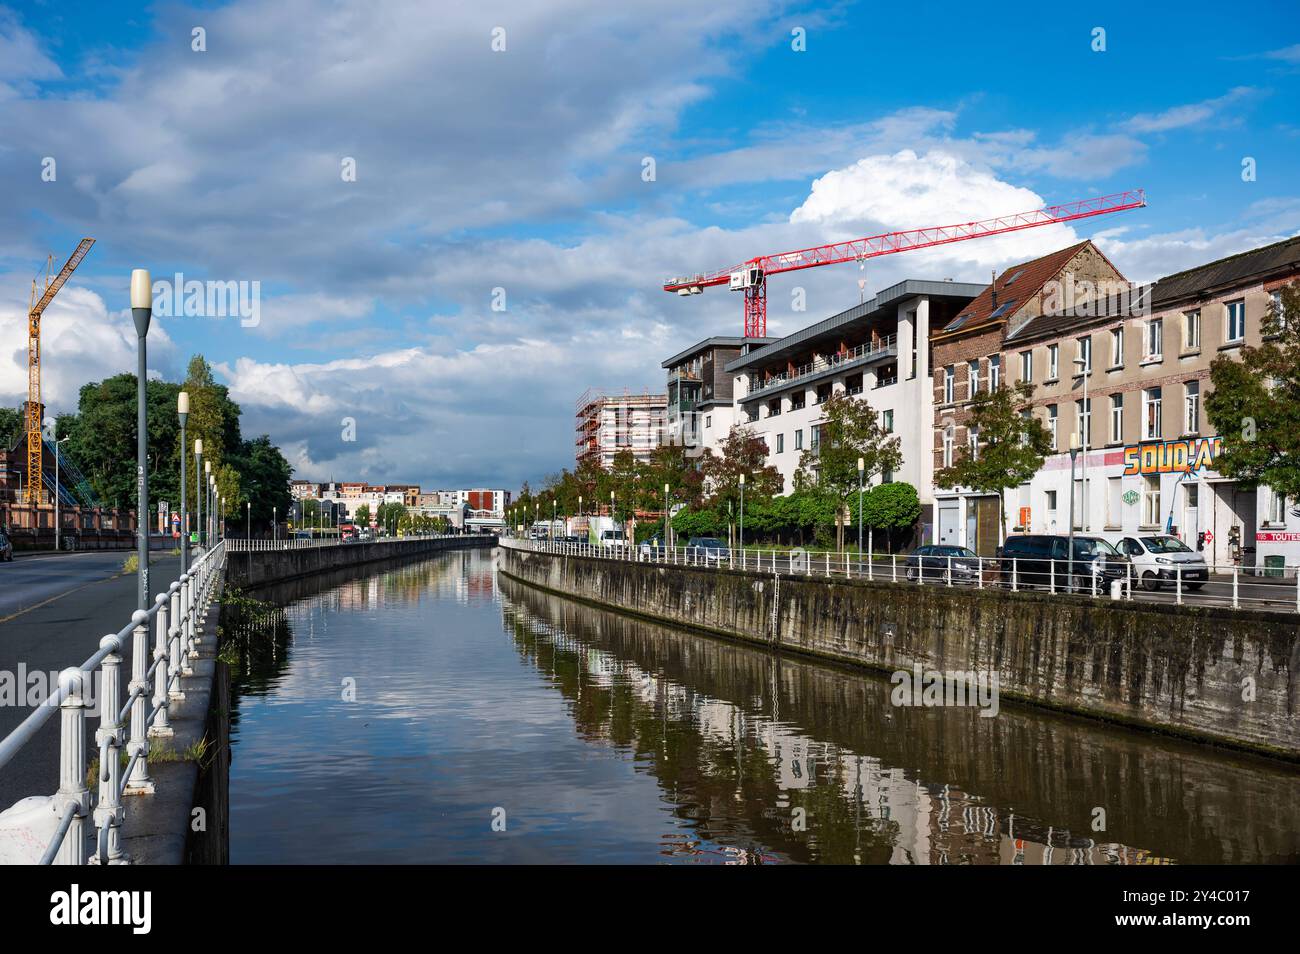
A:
{"x": 611, "y": 538}
{"x": 1158, "y": 558}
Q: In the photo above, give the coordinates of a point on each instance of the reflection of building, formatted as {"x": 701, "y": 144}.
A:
{"x": 608, "y": 424}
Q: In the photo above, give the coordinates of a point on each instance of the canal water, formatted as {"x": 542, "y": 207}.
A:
{"x": 440, "y": 712}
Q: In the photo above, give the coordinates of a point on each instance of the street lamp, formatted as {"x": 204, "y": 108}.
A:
{"x": 862, "y": 469}
{"x": 1074, "y": 453}
{"x": 665, "y": 514}
{"x": 183, "y": 412}
{"x": 1085, "y": 425}
{"x": 250, "y": 520}
{"x": 742, "y": 511}
{"x": 207, "y": 489}
{"x": 141, "y": 313}
{"x": 275, "y": 528}
{"x": 198, "y": 490}
{"x": 58, "y": 516}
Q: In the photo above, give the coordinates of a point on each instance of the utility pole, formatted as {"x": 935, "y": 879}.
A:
{"x": 141, "y": 313}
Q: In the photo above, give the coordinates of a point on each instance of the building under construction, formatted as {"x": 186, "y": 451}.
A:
{"x": 607, "y": 424}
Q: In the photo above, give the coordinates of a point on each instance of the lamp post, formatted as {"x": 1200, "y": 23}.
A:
{"x": 613, "y": 521}
{"x": 141, "y": 313}
{"x": 1085, "y": 426}
{"x": 183, "y": 412}
{"x": 198, "y": 490}
{"x": 207, "y": 490}
{"x": 1074, "y": 453}
{"x": 862, "y": 468}
{"x": 742, "y": 511}
{"x": 275, "y": 529}
{"x": 249, "y": 510}
{"x": 58, "y": 515}
{"x": 665, "y": 515}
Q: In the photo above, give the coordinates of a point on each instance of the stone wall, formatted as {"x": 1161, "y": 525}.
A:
{"x": 1210, "y": 674}
{"x": 259, "y": 567}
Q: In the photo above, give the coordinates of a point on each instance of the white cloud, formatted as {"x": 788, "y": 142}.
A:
{"x": 1189, "y": 114}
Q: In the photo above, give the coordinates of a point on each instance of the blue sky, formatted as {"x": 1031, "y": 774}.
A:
{"x": 522, "y": 169}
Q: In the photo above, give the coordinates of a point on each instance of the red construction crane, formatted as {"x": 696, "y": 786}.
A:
{"x": 751, "y": 276}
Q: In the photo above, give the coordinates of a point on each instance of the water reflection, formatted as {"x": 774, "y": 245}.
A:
{"x": 606, "y": 739}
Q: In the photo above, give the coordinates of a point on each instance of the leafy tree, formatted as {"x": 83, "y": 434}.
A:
{"x": 697, "y": 523}
{"x": 852, "y": 430}
{"x": 362, "y": 516}
{"x": 260, "y": 475}
{"x": 1255, "y": 404}
{"x": 1011, "y": 446}
{"x": 892, "y": 507}
{"x": 740, "y": 453}
{"x": 11, "y": 426}
{"x": 389, "y": 515}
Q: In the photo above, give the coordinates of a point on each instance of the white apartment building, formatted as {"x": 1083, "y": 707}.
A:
{"x": 878, "y": 350}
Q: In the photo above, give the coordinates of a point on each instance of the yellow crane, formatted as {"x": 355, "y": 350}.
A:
{"x": 35, "y": 441}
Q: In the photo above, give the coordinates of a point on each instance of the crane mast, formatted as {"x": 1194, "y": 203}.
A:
{"x": 35, "y": 440}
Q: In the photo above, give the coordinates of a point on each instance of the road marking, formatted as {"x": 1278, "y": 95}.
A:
{"x": 59, "y": 596}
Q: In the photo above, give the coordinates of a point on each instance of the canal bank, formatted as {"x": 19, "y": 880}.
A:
{"x": 1212, "y": 675}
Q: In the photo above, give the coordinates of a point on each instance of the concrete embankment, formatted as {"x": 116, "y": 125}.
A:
{"x": 259, "y": 567}
{"x": 1210, "y": 674}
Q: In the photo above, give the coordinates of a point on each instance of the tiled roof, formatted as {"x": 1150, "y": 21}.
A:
{"x": 1013, "y": 287}
{"x": 1234, "y": 269}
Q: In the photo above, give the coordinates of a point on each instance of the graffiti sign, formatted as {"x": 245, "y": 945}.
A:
{"x": 1172, "y": 457}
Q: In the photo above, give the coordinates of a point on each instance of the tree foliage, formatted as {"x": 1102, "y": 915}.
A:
{"x": 1255, "y": 404}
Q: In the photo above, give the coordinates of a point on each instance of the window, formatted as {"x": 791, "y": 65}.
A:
{"x": 1192, "y": 330}
{"x": 1114, "y": 502}
{"x": 973, "y": 377}
{"x": 708, "y": 420}
{"x": 1151, "y": 500}
{"x": 1192, "y": 407}
{"x": 797, "y": 401}
{"x": 816, "y": 437}
{"x": 780, "y": 443}
{"x": 751, "y": 414}
{"x": 853, "y": 384}
{"x": 1026, "y": 366}
{"x": 798, "y": 439}
{"x": 1053, "y": 361}
{"x": 887, "y": 421}
{"x": 1151, "y": 413}
{"x": 1085, "y": 352}
{"x": 973, "y": 442}
{"x": 886, "y": 476}
{"x": 995, "y": 372}
{"x": 1155, "y": 339}
{"x": 1052, "y": 423}
{"x": 1083, "y": 420}
{"x": 1234, "y": 321}
{"x": 1117, "y": 347}
{"x": 1078, "y": 503}
{"x": 947, "y": 446}
{"x": 949, "y": 379}
{"x": 774, "y": 407}
{"x": 823, "y": 393}
{"x": 1277, "y": 508}
{"x": 1117, "y": 418}
{"x": 1051, "y": 501}
{"x": 1277, "y": 312}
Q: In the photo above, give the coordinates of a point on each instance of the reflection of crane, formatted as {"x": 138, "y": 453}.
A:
{"x": 751, "y": 276}
{"x": 35, "y": 440}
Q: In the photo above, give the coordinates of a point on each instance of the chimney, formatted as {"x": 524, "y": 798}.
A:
{"x": 993, "y": 284}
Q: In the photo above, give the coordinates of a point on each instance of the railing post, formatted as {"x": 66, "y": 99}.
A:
{"x": 893, "y": 561}
{"x": 161, "y": 728}
{"x": 181, "y": 655}
{"x": 1052, "y": 567}
{"x": 950, "y": 569}
{"x": 108, "y": 811}
{"x": 1235, "y": 603}
{"x": 1178, "y": 583}
{"x": 1015, "y": 580}
{"x": 139, "y": 782}
{"x": 174, "y": 634}
{"x": 72, "y": 768}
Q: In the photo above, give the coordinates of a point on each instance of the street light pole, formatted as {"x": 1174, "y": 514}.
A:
{"x": 1085, "y": 425}
{"x": 665, "y": 515}
{"x": 742, "y": 511}
{"x": 183, "y": 412}
{"x": 198, "y": 491}
{"x": 862, "y": 466}
{"x": 58, "y": 515}
{"x": 1074, "y": 453}
{"x": 141, "y": 313}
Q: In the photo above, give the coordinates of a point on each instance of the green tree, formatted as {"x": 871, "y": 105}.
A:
{"x": 1255, "y": 404}
{"x": 740, "y": 453}
{"x": 851, "y": 431}
{"x": 11, "y": 426}
{"x": 362, "y": 516}
{"x": 1011, "y": 444}
{"x": 893, "y": 508}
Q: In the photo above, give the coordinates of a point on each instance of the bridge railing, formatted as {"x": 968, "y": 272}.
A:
{"x": 241, "y": 545}
{"x": 177, "y": 616}
{"x": 1267, "y": 588}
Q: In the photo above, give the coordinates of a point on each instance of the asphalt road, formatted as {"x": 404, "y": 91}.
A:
{"x": 54, "y": 609}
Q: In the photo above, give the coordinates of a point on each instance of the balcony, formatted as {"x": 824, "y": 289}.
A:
{"x": 881, "y": 348}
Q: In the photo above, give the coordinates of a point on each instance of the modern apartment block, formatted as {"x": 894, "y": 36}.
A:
{"x": 877, "y": 350}
{"x": 607, "y": 424}
{"x": 701, "y": 408}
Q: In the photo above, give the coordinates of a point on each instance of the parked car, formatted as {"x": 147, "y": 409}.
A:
{"x": 1043, "y": 560}
{"x": 931, "y": 562}
{"x": 6, "y": 547}
{"x": 709, "y": 549}
{"x": 1158, "y": 558}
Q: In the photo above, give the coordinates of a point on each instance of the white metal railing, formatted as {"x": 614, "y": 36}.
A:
{"x": 241, "y": 545}
{"x": 1269, "y": 588}
{"x": 178, "y": 615}
{"x": 821, "y": 364}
